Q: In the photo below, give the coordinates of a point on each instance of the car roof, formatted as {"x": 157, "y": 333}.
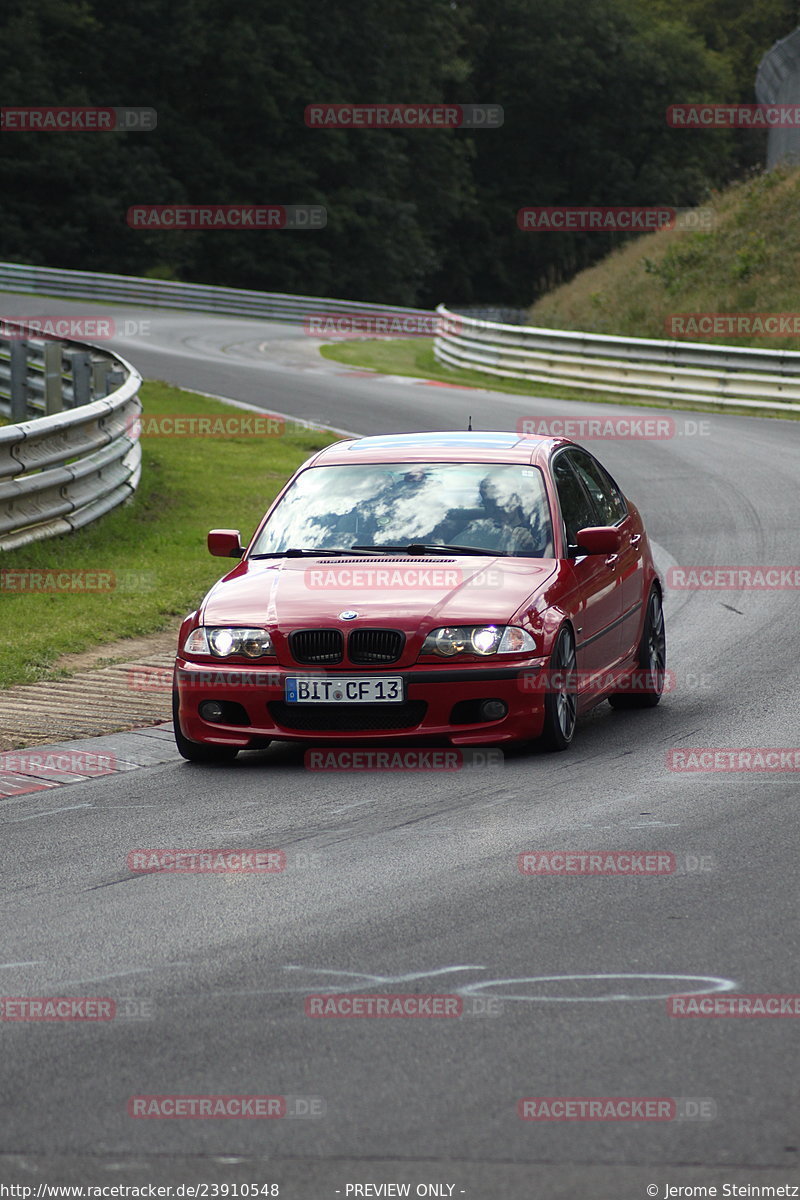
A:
{"x": 444, "y": 446}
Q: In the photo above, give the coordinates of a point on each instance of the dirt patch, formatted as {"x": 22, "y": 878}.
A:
{"x": 126, "y": 684}
{"x": 126, "y": 650}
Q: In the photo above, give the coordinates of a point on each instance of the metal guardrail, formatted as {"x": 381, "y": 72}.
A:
{"x": 78, "y": 456}
{"x": 649, "y": 368}
{"x": 198, "y": 297}
{"x": 504, "y": 316}
{"x": 737, "y": 377}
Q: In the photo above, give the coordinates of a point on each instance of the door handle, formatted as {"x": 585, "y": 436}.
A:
{"x": 611, "y": 562}
{"x": 635, "y": 539}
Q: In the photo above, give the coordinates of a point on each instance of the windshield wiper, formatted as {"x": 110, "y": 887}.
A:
{"x": 302, "y": 552}
{"x": 431, "y": 548}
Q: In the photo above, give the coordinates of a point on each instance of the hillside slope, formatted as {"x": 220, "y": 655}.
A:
{"x": 748, "y": 263}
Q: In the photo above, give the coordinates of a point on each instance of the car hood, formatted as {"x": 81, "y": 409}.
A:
{"x": 405, "y": 593}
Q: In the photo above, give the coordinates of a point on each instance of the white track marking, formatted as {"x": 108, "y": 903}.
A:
{"x": 717, "y": 985}
{"x": 50, "y": 813}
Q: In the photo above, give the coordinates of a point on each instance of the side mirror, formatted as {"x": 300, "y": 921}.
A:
{"x": 599, "y": 539}
{"x": 225, "y": 543}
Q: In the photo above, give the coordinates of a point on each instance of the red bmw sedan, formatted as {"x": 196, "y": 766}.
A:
{"x": 476, "y": 588}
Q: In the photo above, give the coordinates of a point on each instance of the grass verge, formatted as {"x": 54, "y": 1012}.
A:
{"x": 414, "y": 356}
{"x": 154, "y": 545}
{"x": 745, "y": 263}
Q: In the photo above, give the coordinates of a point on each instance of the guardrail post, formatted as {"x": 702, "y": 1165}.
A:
{"x": 18, "y": 352}
{"x": 100, "y": 370}
{"x": 81, "y": 377}
{"x": 53, "y": 384}
{"x": 105, "y": 378}
{"x": 114, "y": 379}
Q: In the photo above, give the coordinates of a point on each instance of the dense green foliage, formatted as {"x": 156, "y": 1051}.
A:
{"x": 413, "y": 216}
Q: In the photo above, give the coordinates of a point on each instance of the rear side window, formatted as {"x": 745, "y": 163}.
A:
{"x": 606, "y": 496}
{"x": 576, "y": 508}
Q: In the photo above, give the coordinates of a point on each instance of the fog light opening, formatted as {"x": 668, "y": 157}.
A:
{"x": 493, "y": 710}
{"x": 211, "y": 710}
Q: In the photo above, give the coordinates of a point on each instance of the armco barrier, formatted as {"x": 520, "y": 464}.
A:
{"x": 197, "y": 297}
{"x": 689, "y": 372}
{"x": 735, "y": 377}
{"x": 74, "y": 453}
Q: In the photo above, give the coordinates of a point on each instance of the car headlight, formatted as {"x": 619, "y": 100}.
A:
{"x": 223, "y": 642}
{"x": 478, "y": 639}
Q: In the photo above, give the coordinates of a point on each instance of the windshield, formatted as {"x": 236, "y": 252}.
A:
{"x": 496, "y": 507}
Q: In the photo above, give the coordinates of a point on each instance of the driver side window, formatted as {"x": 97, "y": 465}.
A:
{"x": 576, "y": 508}
{"x": 605, "y": 494}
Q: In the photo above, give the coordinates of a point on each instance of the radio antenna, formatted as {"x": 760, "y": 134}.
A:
{"x": 469, "y": 426}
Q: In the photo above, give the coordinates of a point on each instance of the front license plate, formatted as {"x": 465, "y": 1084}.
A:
{"x": 346, "y": 689}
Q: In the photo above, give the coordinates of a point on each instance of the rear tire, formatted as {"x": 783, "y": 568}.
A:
{"x": 196, "y": 752}
{"x": 652, "y": 660}
{"x": 561, "y": 705}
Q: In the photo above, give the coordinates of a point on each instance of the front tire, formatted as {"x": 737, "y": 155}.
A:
{"x": 652, "y": 660}
{"x": 561, "y": 702}
{"x": 196, "y": 752}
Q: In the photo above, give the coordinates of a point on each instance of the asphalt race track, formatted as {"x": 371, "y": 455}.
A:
{"x": 400, "y": 883}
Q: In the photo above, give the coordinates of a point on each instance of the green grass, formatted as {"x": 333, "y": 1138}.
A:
{"x": 747, "y": 263}
{"x": 189, "y": 485}
{"x": 414, "y": 356}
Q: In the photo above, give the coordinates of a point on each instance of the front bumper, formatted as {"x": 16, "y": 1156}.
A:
{"x": 440, "y": 703}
